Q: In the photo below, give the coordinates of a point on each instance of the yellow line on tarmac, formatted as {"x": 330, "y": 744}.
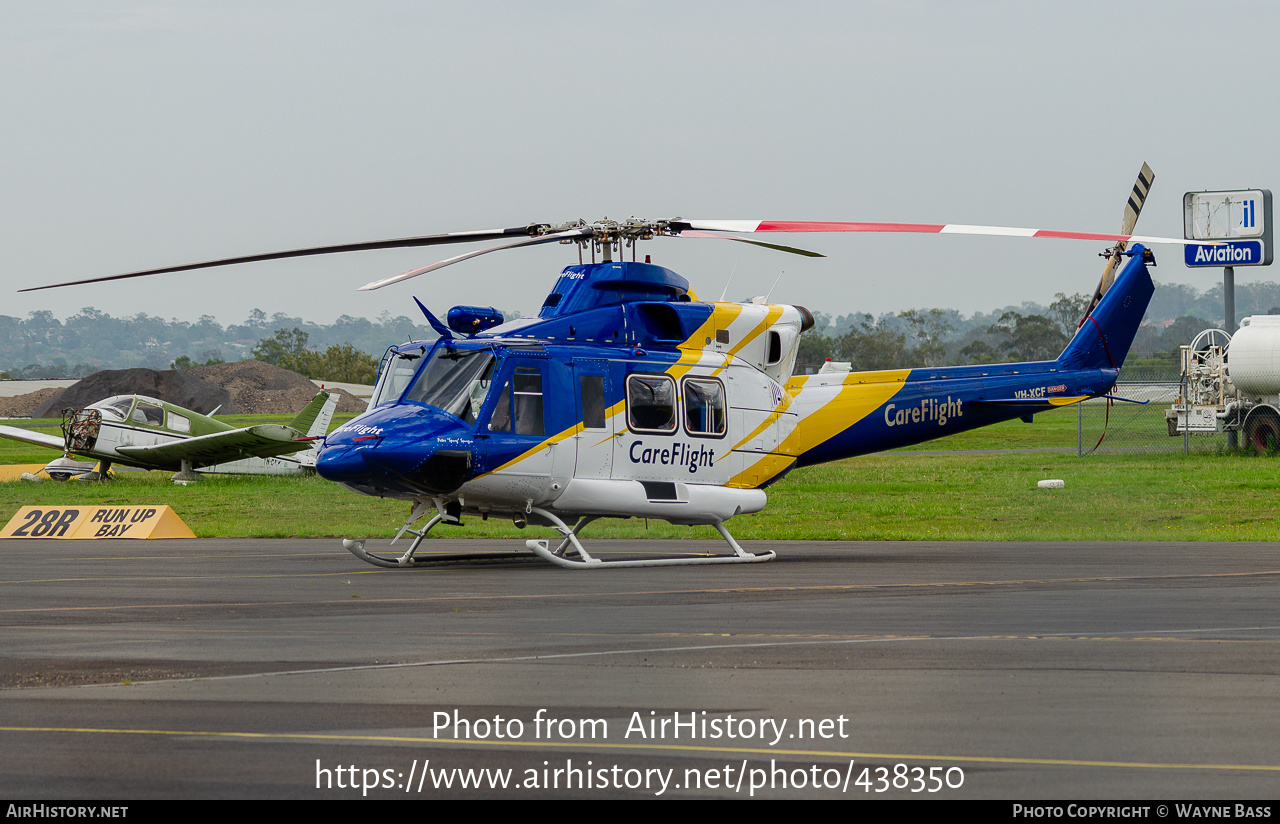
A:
{"x": 876, "y": 756}
{"x": 594, "y": 594}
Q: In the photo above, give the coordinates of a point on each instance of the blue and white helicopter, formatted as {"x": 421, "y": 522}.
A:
{"x": 628, "y": 396}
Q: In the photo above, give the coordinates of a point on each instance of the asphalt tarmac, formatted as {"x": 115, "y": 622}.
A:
{"x": 289, "y": 669}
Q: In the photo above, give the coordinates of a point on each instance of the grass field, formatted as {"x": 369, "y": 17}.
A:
{"x": 898, "y": 495}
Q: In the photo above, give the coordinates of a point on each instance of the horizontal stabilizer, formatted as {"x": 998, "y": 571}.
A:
{"x": 262, "y": 441}
{"x": 1046, "y": 402}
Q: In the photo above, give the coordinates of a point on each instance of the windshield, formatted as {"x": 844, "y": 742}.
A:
{"x": 394, "y": 375}
{"x": 455, "y": 381}
{"x": 116, "y": 408}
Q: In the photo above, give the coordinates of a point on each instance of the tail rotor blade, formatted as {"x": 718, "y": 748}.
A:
{"x": 1132, "y": 209}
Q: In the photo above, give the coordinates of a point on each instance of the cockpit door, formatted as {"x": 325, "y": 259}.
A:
{"x": 593, "y": 392}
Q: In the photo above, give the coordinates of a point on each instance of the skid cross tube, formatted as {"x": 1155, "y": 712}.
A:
{"x": 585, "y": 561}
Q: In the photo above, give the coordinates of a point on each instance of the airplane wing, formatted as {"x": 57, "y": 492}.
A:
{"x": 262, "y": 441}
{"x": 28, "y": 436}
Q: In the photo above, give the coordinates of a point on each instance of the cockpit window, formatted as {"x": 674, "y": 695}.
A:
{"x": 520, "y": 411}
{"x": 148, "y": 413}
{"x": 116, "y": 409}
{"x": 455, "y": 381}
{"x": 394, "y": 375}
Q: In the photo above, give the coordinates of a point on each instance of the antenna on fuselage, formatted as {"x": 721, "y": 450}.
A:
{"x": 730, "y": 280}
{"x": 774, "y": 286}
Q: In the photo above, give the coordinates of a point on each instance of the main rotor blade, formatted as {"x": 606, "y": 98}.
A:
{"x": 572, "y": 234}
{"x": 751, "y": 226}
{"x": 777, "y": 246}
{"x": 395, "y": 243}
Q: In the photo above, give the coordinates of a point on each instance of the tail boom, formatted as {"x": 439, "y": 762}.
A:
{"x": 841, "y": 416}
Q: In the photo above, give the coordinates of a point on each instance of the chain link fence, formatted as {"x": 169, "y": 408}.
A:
{"x": 1120, "y": 426}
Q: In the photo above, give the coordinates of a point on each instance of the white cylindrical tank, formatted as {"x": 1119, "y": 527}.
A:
{"x": 1253, "y": 359}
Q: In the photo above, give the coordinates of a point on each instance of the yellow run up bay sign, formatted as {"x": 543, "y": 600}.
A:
{"x": 82, "y": 522}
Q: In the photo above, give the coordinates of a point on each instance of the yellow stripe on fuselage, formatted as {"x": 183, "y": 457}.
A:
{"x": 769, "y": 420}
{"x": 695, "y": 346}
{"x": 860, "y": 394}
{"x": 770, "y": 317}
{"x": 554, "y": 439}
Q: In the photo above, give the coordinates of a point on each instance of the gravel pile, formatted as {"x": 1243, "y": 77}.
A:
{"x": 181, "y": 388}
{"x": 21, "y": 406}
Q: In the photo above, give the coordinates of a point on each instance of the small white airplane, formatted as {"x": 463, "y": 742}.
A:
{"x": 135, "y": 430}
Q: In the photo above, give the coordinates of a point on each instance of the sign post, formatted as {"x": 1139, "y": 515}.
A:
{"x": 1240, "y": 222}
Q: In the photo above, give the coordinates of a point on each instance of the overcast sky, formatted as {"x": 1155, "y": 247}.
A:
{"x": 139, "y": 134}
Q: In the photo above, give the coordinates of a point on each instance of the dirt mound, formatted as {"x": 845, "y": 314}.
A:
{"x": 258, "y": 388}
{"x": 245, "y": 387}
{"x": 349, "y": 404}
{"x": 24, "y": 406}
{"x": 182, "y": 388}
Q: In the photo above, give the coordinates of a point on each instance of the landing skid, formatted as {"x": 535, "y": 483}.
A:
{"x": 357, "y": 549}
{"x": 570, "y": 545}
{"x": 570, "y": 554}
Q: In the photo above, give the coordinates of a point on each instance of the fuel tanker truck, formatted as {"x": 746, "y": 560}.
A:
{"x": 1231, "y": 383}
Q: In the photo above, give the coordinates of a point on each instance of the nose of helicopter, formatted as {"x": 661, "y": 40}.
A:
{"x": 410, "y": 454}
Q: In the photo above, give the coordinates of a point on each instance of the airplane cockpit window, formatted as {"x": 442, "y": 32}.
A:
{"x": 520, "y": 412}
{"x": 704, "y": 407}
{"x": 148, "y": 413}
{"x": 394, "y": 375}
{"x": 116, "y": 408}
{"x": 179, "y": 423}
{"x": 455, "y": 381}
{"x": 651, "y": 403}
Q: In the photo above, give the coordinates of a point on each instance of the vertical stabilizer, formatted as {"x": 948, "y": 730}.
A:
{"x": 315, "y": 416}
{"x": 1104, "y": 338}
{"x": 314, "y": 420}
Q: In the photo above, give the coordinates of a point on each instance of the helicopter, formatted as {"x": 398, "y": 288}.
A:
{"x": 628, "y": 396}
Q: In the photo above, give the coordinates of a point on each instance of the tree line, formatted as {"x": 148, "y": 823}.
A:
{"x": 942, "y": 337}
{"x": 43, "y": 347}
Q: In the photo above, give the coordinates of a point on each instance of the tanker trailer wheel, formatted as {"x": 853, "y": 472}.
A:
{"x": 1262, "y": 432}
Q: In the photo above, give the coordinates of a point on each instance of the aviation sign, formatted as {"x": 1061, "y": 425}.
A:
{"x": 1241, "y": 218}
